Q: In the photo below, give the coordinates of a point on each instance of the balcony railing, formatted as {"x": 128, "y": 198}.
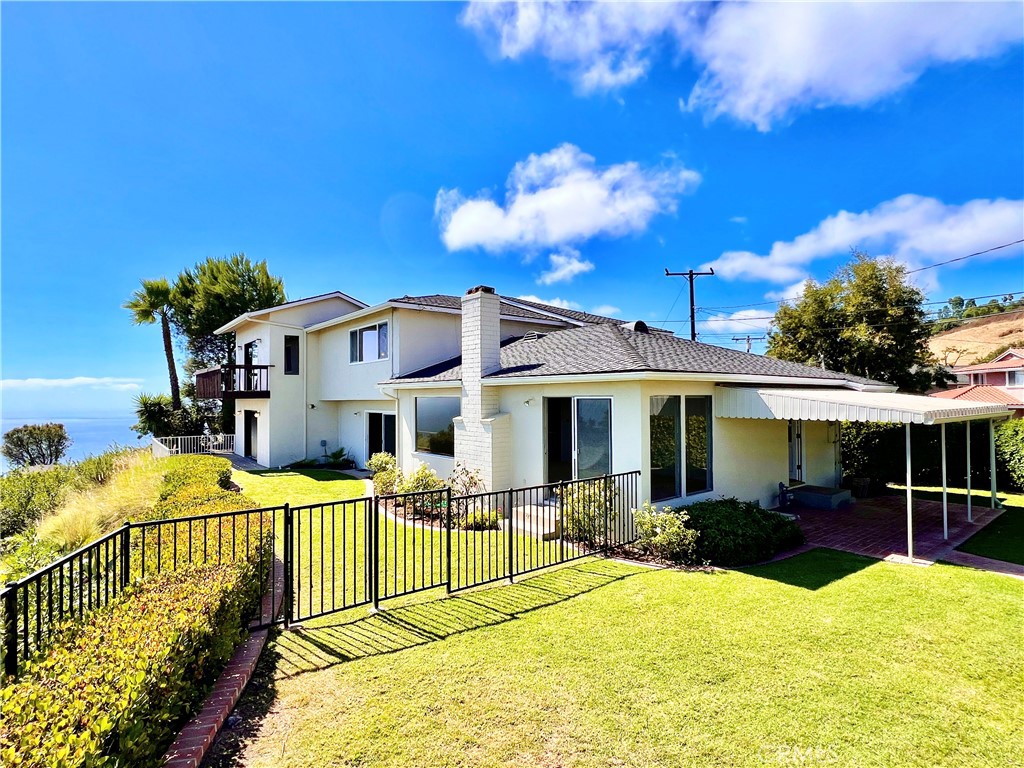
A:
{"x": 173, "y": 446}
{"x": 229, "y": 381}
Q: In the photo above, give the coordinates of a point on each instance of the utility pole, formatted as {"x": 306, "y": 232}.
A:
{"x": 690, "y": 275}
{"x": 748, "y": 339}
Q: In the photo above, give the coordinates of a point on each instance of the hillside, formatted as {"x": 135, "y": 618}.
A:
{"x": 977, "y": 338}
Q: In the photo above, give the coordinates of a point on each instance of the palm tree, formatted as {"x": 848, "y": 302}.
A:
{"x": 150, "y": 302}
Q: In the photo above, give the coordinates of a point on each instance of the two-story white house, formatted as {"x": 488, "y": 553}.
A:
{"x": 529, "y": 394}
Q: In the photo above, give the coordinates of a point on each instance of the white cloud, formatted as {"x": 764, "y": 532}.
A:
{"x": 559, "y": 198}
{"x": 738, "y": 219}
{"x": 790, "y": 293}
{"x": 913, "y": 229}
{"x": 607, "y": 310}
{"x": 73, "y": 382}
{"x": 556, "y": 302}
{"x": 744, "y": 321}
{"x": 564, "y": 266}
{"x": 757, "y": 62}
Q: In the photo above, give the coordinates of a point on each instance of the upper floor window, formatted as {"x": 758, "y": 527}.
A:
{"x": 369, "y": 343}
{"x": 1015, "y": 378}
{"x": 291, "y": 355}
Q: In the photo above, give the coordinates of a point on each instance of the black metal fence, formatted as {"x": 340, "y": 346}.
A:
{"x": 318, "y": 559}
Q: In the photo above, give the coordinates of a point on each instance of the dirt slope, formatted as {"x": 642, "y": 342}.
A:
{"x": 963, "y": 345}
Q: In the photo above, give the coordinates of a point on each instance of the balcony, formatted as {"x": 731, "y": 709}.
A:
{"x": 233, "y": 381}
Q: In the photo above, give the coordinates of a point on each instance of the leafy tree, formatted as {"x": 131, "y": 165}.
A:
{"x": 213, "y": 293}
{"x": 149, "y": 303}
{"x": 956, "y": 304}
{"x": 867, "y": 320}
{"x": 35, "y": 444}
{"x": 157, "y": 417}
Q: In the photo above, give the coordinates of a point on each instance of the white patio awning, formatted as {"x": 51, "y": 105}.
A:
{"x": 837, "y": 404}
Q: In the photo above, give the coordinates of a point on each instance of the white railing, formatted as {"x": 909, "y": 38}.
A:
{"x": 171, "y": 446}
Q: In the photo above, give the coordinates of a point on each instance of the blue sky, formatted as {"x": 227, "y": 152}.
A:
{"x": 563, "y": 152}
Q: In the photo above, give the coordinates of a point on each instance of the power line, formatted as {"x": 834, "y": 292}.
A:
{"x": 969, "y": 255}
{"x": 924, "y": 303}
{"x": 691, "y": 276}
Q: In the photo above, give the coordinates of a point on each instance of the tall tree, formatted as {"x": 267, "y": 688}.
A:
{"x": 213, "y": 293}
{"x": 35, "y": 444}
{"x": 867, "y": 320}
{"x": 148, "y": 304}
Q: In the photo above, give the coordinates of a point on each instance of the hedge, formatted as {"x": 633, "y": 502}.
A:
{"x": 1010, "y": 450}
{"x": 733, "y": 532}
{"x": 114, "y": 689}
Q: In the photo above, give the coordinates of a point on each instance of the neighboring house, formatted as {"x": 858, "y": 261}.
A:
{"x": 1006, "y": 370}
{"x": 998, "y": 381}
{"x": 528, "y": 394}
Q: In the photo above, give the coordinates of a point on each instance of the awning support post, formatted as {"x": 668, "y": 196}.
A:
{"x": 910, "y": 503}
{"x": 945, "y": 505}
{"x": 992, "y": 460}
{"x": 970, "y": 511}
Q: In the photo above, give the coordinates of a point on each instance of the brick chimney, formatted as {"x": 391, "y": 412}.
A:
{"x": 481, "y": 433}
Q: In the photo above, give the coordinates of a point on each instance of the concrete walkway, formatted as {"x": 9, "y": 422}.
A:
{"x": 243, "y": 463}
{"x": 984, "y": 564}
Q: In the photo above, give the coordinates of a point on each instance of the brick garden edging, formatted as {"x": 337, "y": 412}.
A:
{"x": 196, "y": 738}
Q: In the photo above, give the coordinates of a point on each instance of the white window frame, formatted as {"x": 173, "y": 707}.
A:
{"x": 575, "y": 436}
{"x": 416, "y": 425}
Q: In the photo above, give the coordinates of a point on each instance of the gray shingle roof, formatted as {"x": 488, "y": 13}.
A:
{"x": 607, "y": 348}
{"x": 507, "y": 308}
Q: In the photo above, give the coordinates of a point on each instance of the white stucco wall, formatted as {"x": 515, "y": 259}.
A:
{"x": 340, "y": 379}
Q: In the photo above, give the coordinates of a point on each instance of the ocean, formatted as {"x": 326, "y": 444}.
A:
{"x": 89, "y": 435}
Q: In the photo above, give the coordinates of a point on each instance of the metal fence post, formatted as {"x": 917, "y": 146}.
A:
{"x": 289, "y": 593}
{"x": 448, "y": 540}
{"x": 607, "y": 507}
{"x": 11, "y": 629}
{"x": 510, "y": 537}
{"x": 375, "y": 553}
{"x": 561, "y": 520}
{"x": 126, "y": 543}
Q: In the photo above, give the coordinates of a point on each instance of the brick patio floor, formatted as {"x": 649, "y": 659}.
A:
{"x": 877, "y": 526}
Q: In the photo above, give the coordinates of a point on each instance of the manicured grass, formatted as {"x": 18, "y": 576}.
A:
{"x": 1003, "y": 538}
{"x": 823, "y": 659}
{"x": 298, "y": 486}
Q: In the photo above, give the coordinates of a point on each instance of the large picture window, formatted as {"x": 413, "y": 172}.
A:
{"x": 369, "y": 343}
{"x": 698, "y": 445}
{"x": 665, "y": 444}
{"x": 435, "y": 430}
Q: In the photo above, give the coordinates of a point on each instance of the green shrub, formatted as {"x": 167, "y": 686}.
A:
{"x": 588, "y": 510}
{"x": 664, "y": 533}
{"x": 422, "y": 479}
{"x": 27, "y": 495}
{"x": 200, "y": 500}
{"x": 194, "y": 470}
{"x": 381, "y": 462}
{"x": 734, "y": 532}
{"x": 480, "y": 520}
{"x": 26, "y": 553}
{"x": 386, "y": 481}
{"x": 116, "y": 689}
{"x": 1010, "y": 450}
{"x": 98, "y": 469}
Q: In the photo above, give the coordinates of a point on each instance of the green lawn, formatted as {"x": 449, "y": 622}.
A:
{"x": 331, "y": 545}
{"x": 306, "y": 486}
{"x": 1003, "y": 538}
{"x": 823, "y": 659}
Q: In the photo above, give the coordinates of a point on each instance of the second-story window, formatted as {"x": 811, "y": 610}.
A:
{"x": 291, "y": 355}
{"x": 369, "y": 343}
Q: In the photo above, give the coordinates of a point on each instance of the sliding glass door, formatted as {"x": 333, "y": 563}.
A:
{"x": 578, "y": 437}
{"x": 593, "y": 437}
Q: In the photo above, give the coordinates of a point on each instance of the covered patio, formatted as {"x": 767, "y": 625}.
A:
{"x": 873, "y": 526}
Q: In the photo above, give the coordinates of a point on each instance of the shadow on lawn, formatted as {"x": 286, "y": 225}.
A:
{"x": 396, "y": 629}
{"x": 813, "y": 569}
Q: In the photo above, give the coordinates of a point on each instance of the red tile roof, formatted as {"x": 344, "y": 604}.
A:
{"x": 982, "y": 394}
{"x": 1001, "y": 365}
